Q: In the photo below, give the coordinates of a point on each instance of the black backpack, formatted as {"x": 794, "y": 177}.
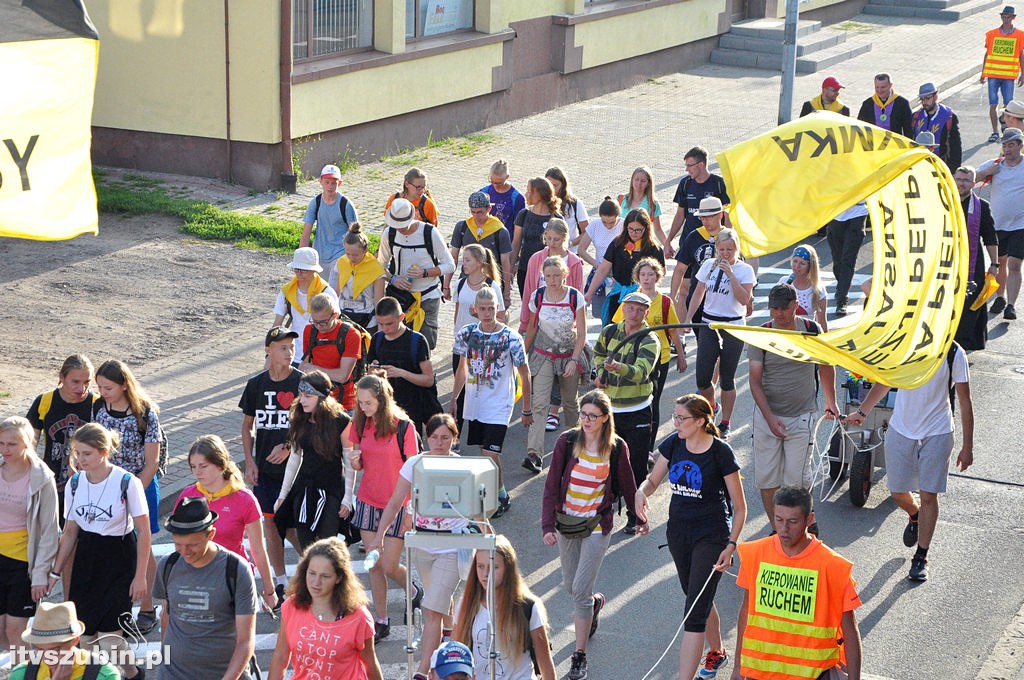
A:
{"x": 527, "y": 607}
{"x": 403, "y": 427}
{"x": 343, "y": 207}
{"x": 428, "y": 245}
{"x": 126, "y": 480}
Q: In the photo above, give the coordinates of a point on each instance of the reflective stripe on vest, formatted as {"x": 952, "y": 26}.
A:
{"x": 1003, "y": 60}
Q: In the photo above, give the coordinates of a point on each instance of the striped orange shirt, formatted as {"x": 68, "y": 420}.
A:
{"x": 586, "y": 485}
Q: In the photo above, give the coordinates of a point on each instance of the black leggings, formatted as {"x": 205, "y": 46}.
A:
{"x": 695, "y": 557}
{"x": 722, "y": 347}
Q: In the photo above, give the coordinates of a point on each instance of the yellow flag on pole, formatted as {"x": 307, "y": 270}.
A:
{"x": 788, "y": 182}
{"x": 49, "y": 51}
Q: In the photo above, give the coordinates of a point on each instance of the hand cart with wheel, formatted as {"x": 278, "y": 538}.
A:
{"x": 859, "y": 450}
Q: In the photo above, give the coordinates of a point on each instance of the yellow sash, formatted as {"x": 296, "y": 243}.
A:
{"x": 479, "y": 233}
{"x": 881, "y": 104}
{"x": 836, "y": 106}
{"x": 363, "y": 274}
{"x": 229, "y": 488}
{"x": 415, "y": 316}
{"x": 291, "y": 291}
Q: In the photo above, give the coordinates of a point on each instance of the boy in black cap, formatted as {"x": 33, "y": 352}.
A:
{"x": 209, "y": 600}
{"x": 265, "y": 403}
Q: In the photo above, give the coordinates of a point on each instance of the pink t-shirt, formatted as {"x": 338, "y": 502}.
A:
{"x": 381, "y": 463}
{"x": 234, "y": 511}
{"x": 326, "y": 649}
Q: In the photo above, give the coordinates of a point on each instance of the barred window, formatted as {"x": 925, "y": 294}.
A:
{"x": 424, "y": 18}
{"x": 329, "y": 26}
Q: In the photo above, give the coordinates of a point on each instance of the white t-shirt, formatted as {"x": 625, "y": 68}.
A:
{"x": 1007, "y": 191}
{"x": 925, "y": 411}
{"x": 504, "y": 670}
{"x": 299, "y": 320}
{"x": 719, "y": 300}
{"x": 467, "y": 297}
{"x": 493, "y": 360}
{"x": 409, "y": 250}
{"x": 556, "y": 322}
{"x": 805, "y": 297}
{"x": 602, "y": 236}
{"x": 573, "y": 216}
{"x": 454, "y": 525}
{"x": 98, "y": 508}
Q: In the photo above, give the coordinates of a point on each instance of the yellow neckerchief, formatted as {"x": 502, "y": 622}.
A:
{"x": 363, "y": 274}
{"x": 415, "y": 316}
{"x": 881, "y": 105}
{"x": 704, "y": 232}
{"x": 836, "y": 106}
{"x": 230, "y": 487}
{"x": 291, "y": 291}
{"x": 479, "y": 233}
{"x": 81, "y": 660}
{"x": 631, "y": 246}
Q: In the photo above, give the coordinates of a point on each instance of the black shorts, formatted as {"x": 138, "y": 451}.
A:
{"x": 267, "y": 489}
{"x": 488, "y": 436}
{"x": 15, "y": 589}
{"x": 1011, "y": 243}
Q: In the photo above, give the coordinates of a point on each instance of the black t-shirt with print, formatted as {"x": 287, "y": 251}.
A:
{"x": 57, "y": 425}
{"x": 697, "y": 481}
{"x": 268, "y": 401}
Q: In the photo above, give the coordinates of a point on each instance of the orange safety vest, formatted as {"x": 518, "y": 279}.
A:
{"x": 1002, "y": 54}
{"x": 794, "y": 609}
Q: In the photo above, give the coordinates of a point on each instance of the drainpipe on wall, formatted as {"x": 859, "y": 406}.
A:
{"x": 227, "y": 88}
{"x": 288, "y": 176}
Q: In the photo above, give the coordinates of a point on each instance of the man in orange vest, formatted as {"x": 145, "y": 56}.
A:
{"x": 1003, "y": 65}
{"x": 797, "y": 619}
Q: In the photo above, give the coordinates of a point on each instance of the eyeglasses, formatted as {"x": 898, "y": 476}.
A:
{"x": 418, "y": 187}
{"x": 637, "y": 230}
{"x": 679, "y": 419}
{"x": 323, "y": 322}
{"x": 694, "y": 164}
{"x": 590, "y": 417}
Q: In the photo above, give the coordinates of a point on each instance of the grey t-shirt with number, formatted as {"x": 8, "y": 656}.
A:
{"x": 200, "y": 633}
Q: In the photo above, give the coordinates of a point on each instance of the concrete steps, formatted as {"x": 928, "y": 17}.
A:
{"x": 931, "y": 10}
{"x": 757, "y": 43}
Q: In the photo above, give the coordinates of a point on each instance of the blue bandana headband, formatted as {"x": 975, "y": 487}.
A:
{"x": 802, "y": 253}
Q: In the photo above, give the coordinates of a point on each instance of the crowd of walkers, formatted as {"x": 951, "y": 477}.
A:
{"x": 347, "y": 403}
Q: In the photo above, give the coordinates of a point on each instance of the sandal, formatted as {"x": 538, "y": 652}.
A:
{"x": 552, "y": 423}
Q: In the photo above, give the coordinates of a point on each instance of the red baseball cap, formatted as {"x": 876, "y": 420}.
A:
{"x": 832, "y": 82}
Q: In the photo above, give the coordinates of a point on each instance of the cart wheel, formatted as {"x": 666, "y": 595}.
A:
{"x": 860, "y": 477}
{"x": 836, "y": 469}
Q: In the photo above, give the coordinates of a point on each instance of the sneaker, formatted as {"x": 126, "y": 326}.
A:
{"x": 1010, "y": 314}
{"x": 533, "y": 463}
{"x": 279, "y": 589}
{"x": 417, "y": 600}
{"x": 598, "y": 606}
{"x": 141, "y": 675}
{"x": 380, "y": 631}
{"x": 994, "y": 137}
{"x": 716, "y": 408}
{"x": 997, "y": 305}
{"x": 841, "y": 307}
{"x": 712, "y": 662}
{"x": 419, "y": 676}
{"x": 910, "y": 533}
{"x": 145, "y": 621}
{"x": 552, "y": 423}
{"x": 578, "y": 666}
{"x": 630, "y": 527}
{"x": 918, "y": 569}
{"x": 723, "y": 431}
{"x": 504, "y": 503}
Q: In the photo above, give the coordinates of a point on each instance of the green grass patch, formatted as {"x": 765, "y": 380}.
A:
{"x": 6, "y": 393}
{"x": 856, "y": 26}
{"x": 463, "y": 147}
{"x": 203, "y": 220}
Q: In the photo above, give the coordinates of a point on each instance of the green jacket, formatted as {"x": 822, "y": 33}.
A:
{"x": 632, "y": 385}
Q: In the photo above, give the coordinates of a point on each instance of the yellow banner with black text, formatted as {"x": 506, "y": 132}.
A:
{"x": 819, "y": 166}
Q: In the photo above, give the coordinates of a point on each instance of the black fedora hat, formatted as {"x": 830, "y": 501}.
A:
{"x": 190, "y": 517}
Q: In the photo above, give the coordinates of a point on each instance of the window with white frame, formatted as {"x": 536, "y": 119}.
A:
{"x": 322, "y": 27}
{"x": 424, "y": 18}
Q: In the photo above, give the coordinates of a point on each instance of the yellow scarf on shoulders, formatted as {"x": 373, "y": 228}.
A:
{"x": 291, "y": 291}
{"x": 363, "y": 274}
{"x": 836, "y": 106}
{"x": 881, "y": 104}
{"x": 230, "y": 487}
{"x": 479, "y": 233}
{"x": 415, "y": 316}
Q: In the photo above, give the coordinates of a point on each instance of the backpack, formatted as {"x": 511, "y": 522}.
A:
{"x": 428, "y": 245}
{"x": 488, "y": 282}
{"x": 809, "y": 327}
{"x": 231, "y": 578}
{"x": 343, "y": 207}
{"x": 402, "y": 427}
{"x": 126, "y": 480}
{"x": 538, "y": 298}
{"x": 527, "y": 607}
{"x": 161, "y": 464}
{"x": 420, "y": 205}
{"x": 347, "y": 324}
{"x": 950, "y": 357}
{"x": 46, "y": 403}
{"x": 464, "y": 224}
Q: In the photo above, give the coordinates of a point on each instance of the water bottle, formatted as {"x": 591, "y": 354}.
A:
{"x": 371, "y": 559}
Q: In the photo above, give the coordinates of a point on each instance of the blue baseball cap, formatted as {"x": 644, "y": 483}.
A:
{"x": 452, "y": 657}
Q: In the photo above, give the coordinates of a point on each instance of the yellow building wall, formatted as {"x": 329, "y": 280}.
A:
{"x": 605, "y": 40}
{"x": 162, "y": 67}
{"x": 376, "y": 93}
{"x": 519, "y": 10}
